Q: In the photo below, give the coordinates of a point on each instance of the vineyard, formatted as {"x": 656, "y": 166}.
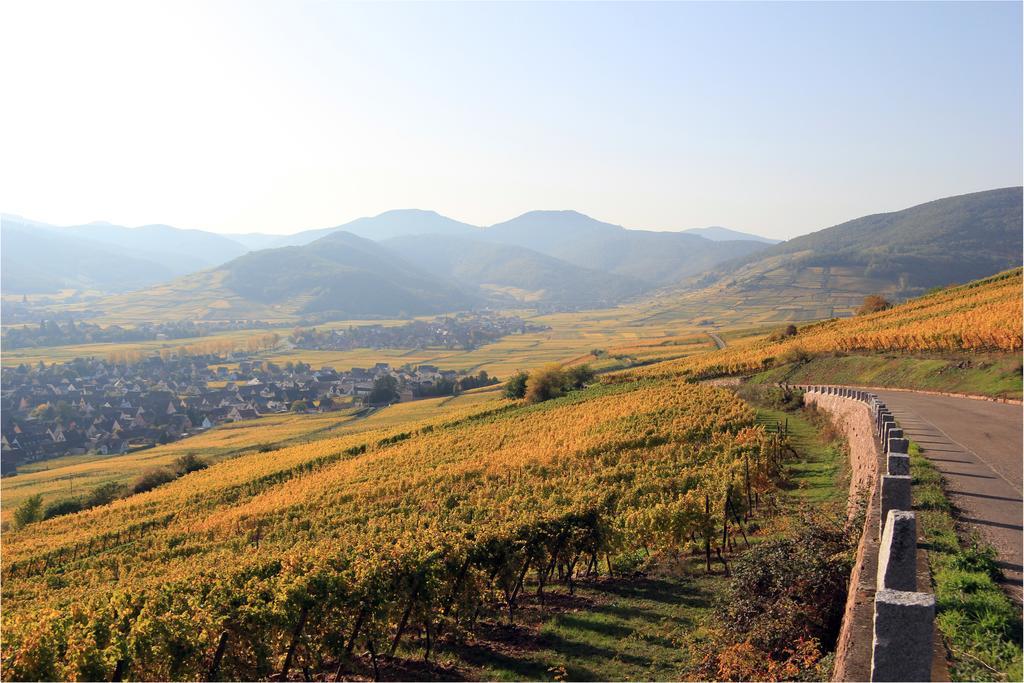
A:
{"x": 983, "y": 316}
{"x": 293, "y": 558}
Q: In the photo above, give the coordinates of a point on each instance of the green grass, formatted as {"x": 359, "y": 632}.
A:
{"x": 619, "y": 629}
{"x": 818, "y": 474}
{"x": 979, "y": 622}
{"x": 995, "y": 375}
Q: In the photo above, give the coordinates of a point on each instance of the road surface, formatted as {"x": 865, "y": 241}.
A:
{"x": 977, "y": 446}
{"x": 719, "y": 342}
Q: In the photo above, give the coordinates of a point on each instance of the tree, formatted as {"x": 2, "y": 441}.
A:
{"x": 515, "y": 387}
{"x": 873, "y": 303}
{"x": 545, "y": 383}
{"x": 62, "y": 507}
{"x": 30, "y": 510}
{"x": 385, "y": 390}
{"x": 189, "y": 463}
{"x": 579, "y": 376}
{"x": 150, "y": 479}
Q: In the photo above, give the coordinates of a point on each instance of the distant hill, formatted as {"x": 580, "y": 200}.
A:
{"x": 45, "y": 258}
{"x": 338, "y": 276}
{"x": 181, "y": 250}
{"x": 716, "y": 233}
{"x": 899, "y": 254}
{"x": 396, "y": 223}
{"x": 654, "y": 257}
{"x": 944, "y": 242}
{"x": 253, "y": 241}
{"x": 35, "y": 259}
{"x": 515, "y": 274}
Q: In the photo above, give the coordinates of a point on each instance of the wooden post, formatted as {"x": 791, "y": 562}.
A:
{"x": 296, "y": 634}
{"x": 405, "y": 616}
{"x": 217, "y": 657}
{"x": 707, "y": 533}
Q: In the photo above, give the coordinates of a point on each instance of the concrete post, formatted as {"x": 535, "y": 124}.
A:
{"x": 898, "y": 445}
{"x": 902, "y": 645}
{"x": 889, "y": 429}
{"x": 895, "y": 495}
{"x": 897, "y": 553}
{"x": 898, "y": 463}
{"x": 886, "y": 417}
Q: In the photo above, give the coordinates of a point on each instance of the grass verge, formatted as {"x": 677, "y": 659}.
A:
{"x": 992, "y": 375}
{"x": 979, "y": 622}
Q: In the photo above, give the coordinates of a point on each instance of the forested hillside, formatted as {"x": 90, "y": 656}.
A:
{"x": 946, "y": 241}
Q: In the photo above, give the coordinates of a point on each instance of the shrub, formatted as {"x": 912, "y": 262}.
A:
{"x": 150, "y": 479}
{"x": 796, "y": 354}
{"x": 515, "y": 387}
{"x": 873, "y": 303}
{"x": 786, "y": 332}
{"x": 786, "y": 600}
{"x": 30, "y": 510}
{"x": 103, "y": 494}
{"x": 189, "y": 463}
{"x": 545, "y": 383}
{"x": 62, "y": 507}
{"x": 578, "y": 376}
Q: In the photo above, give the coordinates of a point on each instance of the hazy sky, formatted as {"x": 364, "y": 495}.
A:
{"x": 275, "y": 117}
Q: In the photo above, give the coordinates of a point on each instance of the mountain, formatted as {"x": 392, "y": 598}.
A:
{"x": 253, "y": 241}
{"x": 396, "y": 223}
{"x": 338, "y": 276}
{"x": 717, "y": 233}
{"x": 36, "y": 259}
{"x": 39, "y": 257}
{"x": 182, "y": 251}
{"x": 657, "y": 258}
{"x": 898, "y": 254}
{"x": 514, "y": 274}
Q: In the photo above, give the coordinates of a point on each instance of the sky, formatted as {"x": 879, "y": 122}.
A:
{"x": 771, "y": 118}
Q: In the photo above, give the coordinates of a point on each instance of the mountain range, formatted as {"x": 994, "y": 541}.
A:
{"x": 420, "y": 262}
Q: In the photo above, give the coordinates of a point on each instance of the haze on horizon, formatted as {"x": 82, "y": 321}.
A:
{"x": 776, "y": 119}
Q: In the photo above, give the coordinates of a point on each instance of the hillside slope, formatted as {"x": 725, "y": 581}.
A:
{"x": 655, "y": 257}
{"x": 903, "y": 253}
{"x": 338, "y": 276}
{"x": 515, "y": 274}
{"x": 37, "y": 260}
{"x": 39, "y": 257}
{"x": 395, "y": 223}
{"x": 979, "y": 317}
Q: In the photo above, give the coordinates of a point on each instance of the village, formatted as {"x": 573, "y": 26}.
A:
{"x": 92, "y": 405}
{"x": 463, "y": 330}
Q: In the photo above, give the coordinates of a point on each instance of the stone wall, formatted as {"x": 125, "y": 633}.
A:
{"x": 888, "y": 630}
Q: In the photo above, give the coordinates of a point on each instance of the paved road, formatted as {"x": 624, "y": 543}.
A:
{"x": 977, "y": 446}
{"x": 719, "y": 342}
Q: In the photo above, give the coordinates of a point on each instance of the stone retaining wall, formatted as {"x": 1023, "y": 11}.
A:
{"x": 888, "y": 627}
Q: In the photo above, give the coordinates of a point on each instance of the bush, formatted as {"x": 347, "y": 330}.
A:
{"x": 579, "y": 376}
{"x": 31, "y": 510}
{"x": 786, "y": 600}
{"x": 150, "y": 479}
{"x": 104, "y": 494}
{"x": 515, "y": 387}
{"x": 189, "y": 463}
{"x": 545, "y": 383}
{"x": 62, "y": 507}
{"x": 873, "y": 303}
{"x": 784, "y": 333}
{"x": 796, "y": 354}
